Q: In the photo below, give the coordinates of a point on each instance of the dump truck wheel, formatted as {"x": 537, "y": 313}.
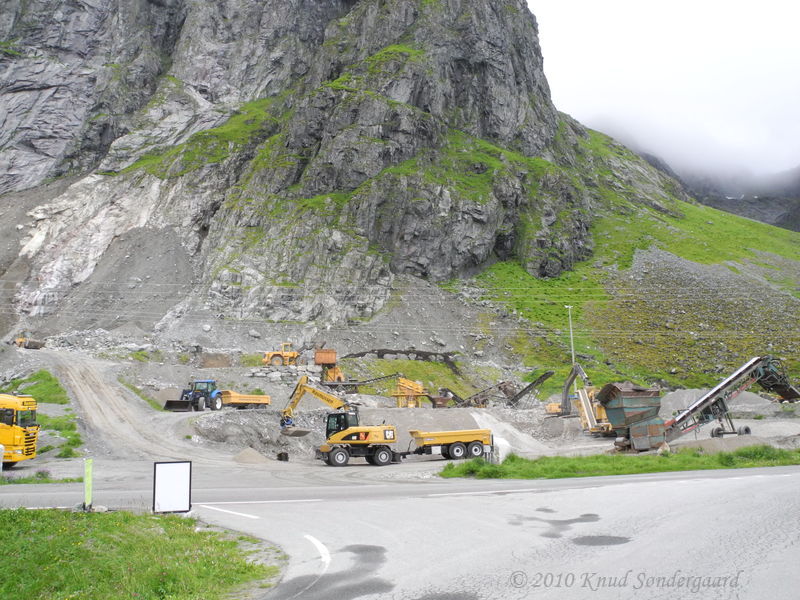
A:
{"x": 382, "y": 457}
{"x": 475, "y": 449}
{"x": 458, "y": 451}
{"x": 370, "y": 459}
{"x": 276, "y": 361}
{"x": 338, "y": 457}
{"x": 445, "y": 452}
{"x": 216, "y": 403}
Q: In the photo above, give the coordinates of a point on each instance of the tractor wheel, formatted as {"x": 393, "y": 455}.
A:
{"x": 338, "y": 457}
{"x": 216, "y": 403}
{"x": 475, "y": 449}
{"x": 382, "y": 456}
{"x": 458, "y": 451}
{"x": 200, "y": 405}
{"x": 276, "y": 361}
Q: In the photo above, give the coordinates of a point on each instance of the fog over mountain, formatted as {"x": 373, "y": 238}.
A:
{"x": 709, "y": 87}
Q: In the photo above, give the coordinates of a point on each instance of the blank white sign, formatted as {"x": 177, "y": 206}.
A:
{"x": 172, "y": 487}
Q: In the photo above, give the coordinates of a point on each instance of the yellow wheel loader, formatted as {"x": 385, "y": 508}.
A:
{"x": 281, "y": 358}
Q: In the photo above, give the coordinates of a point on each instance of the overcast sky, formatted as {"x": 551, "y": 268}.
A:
{"x": 702, "y": 82}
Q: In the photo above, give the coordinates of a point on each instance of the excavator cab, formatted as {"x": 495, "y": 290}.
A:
{"x": 340, "y": 421}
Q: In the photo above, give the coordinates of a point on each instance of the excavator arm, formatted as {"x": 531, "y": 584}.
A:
{"x": 577, "y": 370}
{"x": 302, "y": 388}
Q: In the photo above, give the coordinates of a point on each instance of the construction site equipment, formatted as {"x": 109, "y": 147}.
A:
{"x": 408, "y": 393}
{"x": 302, "y": 388}
{"x": 482, "y": 399}
{"x": 514, "y": 401}
{"x": 326, "y": 358}
{"x": 24, "y": 342}
{"x": 351, "y": 386}
{"x": 200, "y": 394}
{"x": 283, "y": 357}
{"x": 564, "y": 408}
{"x": 633, "y": 411}
{"x": 19, "y": 431}
{"x": 203, "y": 393}
{"x": 242, "y": 401}
{"x": 467, "y": 443}
{"x": 347, "y": 439}
{"x": 767, "y": 371}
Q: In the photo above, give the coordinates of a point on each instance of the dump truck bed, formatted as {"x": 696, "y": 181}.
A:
{"x": 231, "y": 398}
{"x": 438, "y": 438}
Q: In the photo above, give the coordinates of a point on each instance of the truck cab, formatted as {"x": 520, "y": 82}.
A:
{"x": 18, "y": 428}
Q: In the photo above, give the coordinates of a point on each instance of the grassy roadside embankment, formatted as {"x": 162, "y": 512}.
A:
{"x": 119, "y": 555}
{"x": 558, "y": 467}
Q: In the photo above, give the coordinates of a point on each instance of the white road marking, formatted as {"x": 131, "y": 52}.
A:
{"x": 324, "y": 556}
{"x": 266, "y": 501}
{"x": 230, "y": 512}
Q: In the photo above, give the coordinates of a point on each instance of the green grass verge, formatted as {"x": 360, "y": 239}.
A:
{"x": 41, "y": 476}
{"x": 120, "y": 555}
{"x": 41, "y": 385}
{"x": 251, "y": 360}
{"x": 154, "y": 404}
{"x": 66, "y": 426}
{"x": 558, "y": 467}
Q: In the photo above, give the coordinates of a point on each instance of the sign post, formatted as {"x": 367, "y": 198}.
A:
{"x": 172, "y": 487}
{"x": 87, "y": 484}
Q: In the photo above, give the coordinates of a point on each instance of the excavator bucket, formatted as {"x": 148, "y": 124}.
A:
{"x": 295, "y": 431}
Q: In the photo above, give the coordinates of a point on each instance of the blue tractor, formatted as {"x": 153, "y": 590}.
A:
{"x": 200, "y": 395}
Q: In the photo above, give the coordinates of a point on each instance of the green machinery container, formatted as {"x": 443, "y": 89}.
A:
{"x": 633, "y": 413}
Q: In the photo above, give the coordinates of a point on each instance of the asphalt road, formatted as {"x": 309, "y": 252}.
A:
{"x": 674, "y": 535}
{"x": 392, "y": 533}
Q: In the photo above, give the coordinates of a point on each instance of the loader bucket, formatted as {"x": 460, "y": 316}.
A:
{"x": 178, "y": 405}
{"x": 295, "y": 431}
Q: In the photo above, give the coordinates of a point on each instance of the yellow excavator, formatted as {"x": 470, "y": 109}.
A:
{"x": 301, "y": 389}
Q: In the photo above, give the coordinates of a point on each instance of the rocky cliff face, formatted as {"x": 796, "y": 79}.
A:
{"x": 286, "y": 159}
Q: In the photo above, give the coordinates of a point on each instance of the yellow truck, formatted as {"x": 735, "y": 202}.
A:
{"x": 18, "y": 429}
{"x": 347, "y": 439}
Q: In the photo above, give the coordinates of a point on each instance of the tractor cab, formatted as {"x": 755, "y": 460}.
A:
{"x": 204, "y": 386}
{"x": 339, "y": 421}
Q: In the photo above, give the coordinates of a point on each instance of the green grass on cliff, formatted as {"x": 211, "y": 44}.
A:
{"x": 639, "y": 342}
{"x": 211, "y": 145}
